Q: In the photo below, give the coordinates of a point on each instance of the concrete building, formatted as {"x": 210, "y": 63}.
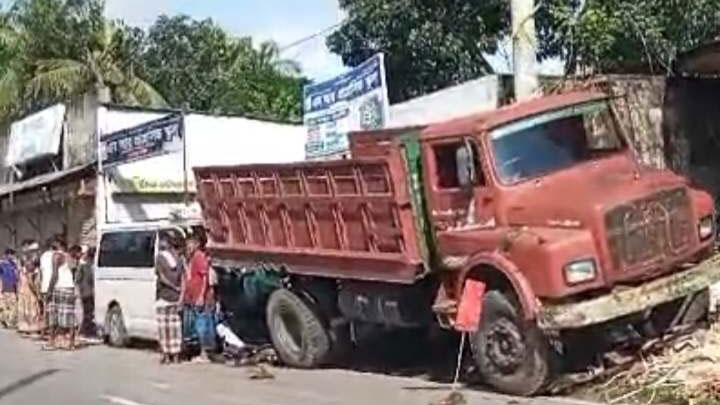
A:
{"x": 49, "y": 182}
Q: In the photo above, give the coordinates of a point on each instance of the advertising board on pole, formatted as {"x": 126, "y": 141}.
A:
{"x": 354, "y": 101}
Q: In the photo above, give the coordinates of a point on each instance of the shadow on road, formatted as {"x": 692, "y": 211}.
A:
{"x": 406, "y": 353}
{"x": 24, "y": 382}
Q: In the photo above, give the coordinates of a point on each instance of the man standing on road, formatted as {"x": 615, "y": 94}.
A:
{"x": 61, "y": 309}
{"x": 198, "y": 299}
{"x": 8, "y": 299}
{"x": 46, "y": 271}
{"x": 169, "y": 270}
{"x": 85, "y": 282}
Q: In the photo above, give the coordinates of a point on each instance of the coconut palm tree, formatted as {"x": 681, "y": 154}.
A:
{"x": 12, "y": 68}
{"x": 267, "y": 57}
{"x": 99, "y": 67}
{"x": 53, "y": 50}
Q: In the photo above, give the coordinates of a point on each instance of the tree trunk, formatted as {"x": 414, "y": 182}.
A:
{"x": 524, "y": 49}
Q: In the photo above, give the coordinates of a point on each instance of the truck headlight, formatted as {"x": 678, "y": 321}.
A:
{"x": 706, "y": 227}
{"x": 580, "y": 272}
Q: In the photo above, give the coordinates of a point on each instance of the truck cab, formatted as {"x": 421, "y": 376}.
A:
{"x": 554, "y": 187}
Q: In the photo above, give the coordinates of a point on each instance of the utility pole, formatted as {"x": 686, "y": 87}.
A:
{"x": 524, "y": 49}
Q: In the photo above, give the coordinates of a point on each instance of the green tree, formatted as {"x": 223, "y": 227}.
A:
{"x": 429, "y": 44}
{"x": 616, "y": 36}
{"x": 52, "y": 50}
{"x": 199, "y": 64}
{"x": 188, "y": 60}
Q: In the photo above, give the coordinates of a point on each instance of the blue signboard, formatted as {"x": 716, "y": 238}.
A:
{"x": 356, "y": 100}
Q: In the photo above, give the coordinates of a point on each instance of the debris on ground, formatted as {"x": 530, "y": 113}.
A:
{"x": 684, "y": 371}
{"x": 260, "y": 372}
{"x": 455, "y": 398}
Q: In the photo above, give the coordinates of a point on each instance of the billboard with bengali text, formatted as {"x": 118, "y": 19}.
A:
{"x": 354, "y": 101}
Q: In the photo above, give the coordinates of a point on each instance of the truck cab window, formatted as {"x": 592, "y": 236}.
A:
{"x": 457, "y": 165}
{"x": 554, "y": 141}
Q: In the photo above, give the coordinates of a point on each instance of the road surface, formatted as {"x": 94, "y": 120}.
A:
{"x": 106, "y": 376}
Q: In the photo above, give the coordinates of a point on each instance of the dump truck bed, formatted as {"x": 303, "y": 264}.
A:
{"x": 349, "y": 219}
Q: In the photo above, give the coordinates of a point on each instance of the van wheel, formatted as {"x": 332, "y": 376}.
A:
{"x": 512, "y": 354}
{"x": 298, "y": 334}
{"x": 115, "y": 326}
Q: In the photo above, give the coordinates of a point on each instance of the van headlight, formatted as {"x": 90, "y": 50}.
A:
{"x": 580, "y": 272}
{"x": 706, "y": 227}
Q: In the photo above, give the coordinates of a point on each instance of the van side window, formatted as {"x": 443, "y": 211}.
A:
{"x": 452, "y": 162}
{"x": 127, "y": 249}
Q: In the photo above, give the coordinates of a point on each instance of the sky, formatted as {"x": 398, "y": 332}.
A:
{"x": 284, "y": 21}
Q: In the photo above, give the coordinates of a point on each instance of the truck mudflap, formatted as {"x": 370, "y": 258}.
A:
{"x": 625, "y": 301}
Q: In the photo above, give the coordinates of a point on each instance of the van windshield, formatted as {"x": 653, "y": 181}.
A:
{"x": 553, "y": 141}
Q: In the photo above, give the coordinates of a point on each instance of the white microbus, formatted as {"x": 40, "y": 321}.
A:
{"x": 125, "y": 279}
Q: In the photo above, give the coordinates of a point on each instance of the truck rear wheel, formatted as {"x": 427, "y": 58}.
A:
{"x": 512, "y": 355}
{"x": 297, "y": 332}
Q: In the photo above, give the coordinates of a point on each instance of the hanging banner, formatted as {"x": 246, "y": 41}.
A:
{"x": 36, "y": 136}
{"x": 354, "y": 101}
{"x": 153, "y": 138}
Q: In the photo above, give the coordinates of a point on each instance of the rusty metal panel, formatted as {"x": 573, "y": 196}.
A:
{"x": 626, "y": 301}
{"x": 350, "y": 218}
{"x": 651, "y": 230}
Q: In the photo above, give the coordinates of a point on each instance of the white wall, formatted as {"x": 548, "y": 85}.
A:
{"x": 211, "y": 140}
{"x": 453, "y": 102}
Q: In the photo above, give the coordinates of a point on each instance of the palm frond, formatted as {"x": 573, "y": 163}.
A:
{"x": 142, "y": 92}
{"x": 10, "y": 91}
{"x": 9, "y": 37}
{"x": 60, "y": 78}
{"x": 287, "y": 67}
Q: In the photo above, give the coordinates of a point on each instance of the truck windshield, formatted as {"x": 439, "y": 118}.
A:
{"x": 555, "y": 140}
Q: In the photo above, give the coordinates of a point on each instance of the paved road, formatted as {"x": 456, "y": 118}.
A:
{"x": 101, "y": 375}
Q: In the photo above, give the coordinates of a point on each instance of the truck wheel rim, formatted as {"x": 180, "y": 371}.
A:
{"x": 114, "y": 326}
{"x": 289, "y": 331}
{"x": 505, "y": 346}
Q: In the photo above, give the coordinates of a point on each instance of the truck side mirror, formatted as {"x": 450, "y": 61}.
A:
{"x": 465, "y": 159}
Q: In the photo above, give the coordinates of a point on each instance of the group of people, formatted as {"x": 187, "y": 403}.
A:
{"x": 43, "y": 292}
{"x": 185, "y": 299}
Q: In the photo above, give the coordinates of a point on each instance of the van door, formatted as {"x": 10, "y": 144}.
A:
{"x": 125, "y": 276}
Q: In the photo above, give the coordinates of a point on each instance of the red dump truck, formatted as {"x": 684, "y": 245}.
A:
{"x": 542, "y": 204}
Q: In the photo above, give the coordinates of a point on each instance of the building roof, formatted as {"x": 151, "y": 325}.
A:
{"x": 488, "y": 120}
{"x": 42, "y": 180}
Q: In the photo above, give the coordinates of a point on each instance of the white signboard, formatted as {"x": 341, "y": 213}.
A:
{"x": 36, "y": 136}
{"x": 356, "y": 100}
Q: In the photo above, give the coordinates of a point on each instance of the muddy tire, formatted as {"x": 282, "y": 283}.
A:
{"x": 115, "y": 328}
{"x": 297, "y": 332}
{"x": 511, "y": 354}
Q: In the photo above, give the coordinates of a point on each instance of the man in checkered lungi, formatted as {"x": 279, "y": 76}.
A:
{"x": 168, "y": 267}
{"x": 61, "y": 317}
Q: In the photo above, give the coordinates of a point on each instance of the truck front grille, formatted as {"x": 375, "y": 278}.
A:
{"x": 650, "y": 229}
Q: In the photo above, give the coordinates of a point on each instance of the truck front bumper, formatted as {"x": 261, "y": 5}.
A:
{"x": 625, "y": 301}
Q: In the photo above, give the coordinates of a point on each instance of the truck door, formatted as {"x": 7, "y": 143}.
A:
{"x": 458, "y": 194}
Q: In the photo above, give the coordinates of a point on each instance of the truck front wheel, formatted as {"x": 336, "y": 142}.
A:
{"x": 512, "y": 354}
{"x": 298, "y": 334}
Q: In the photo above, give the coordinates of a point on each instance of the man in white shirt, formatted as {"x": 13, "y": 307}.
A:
{"x": 46, "y": 271}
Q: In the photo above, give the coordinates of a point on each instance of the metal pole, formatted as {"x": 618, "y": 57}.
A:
{"x": 186, "y": 188}
{"x": 524, "y": 49}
